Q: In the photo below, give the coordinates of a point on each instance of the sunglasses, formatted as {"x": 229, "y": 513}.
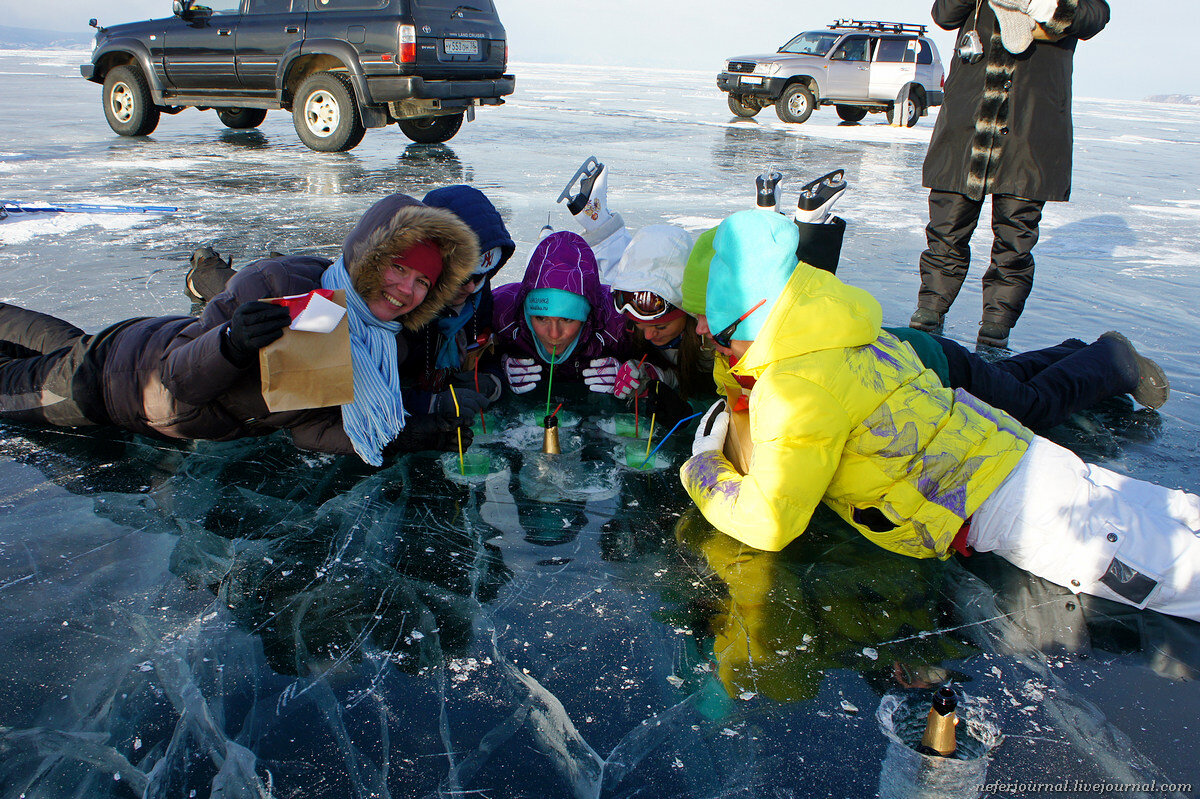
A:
{"x": 645, "y": 306}
{"x": 725, "y": 337}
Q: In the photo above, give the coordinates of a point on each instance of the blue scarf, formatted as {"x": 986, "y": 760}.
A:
{"x": 449, "y": 356}
{"x": 377, "y": 414}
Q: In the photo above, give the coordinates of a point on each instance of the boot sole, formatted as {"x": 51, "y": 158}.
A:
{"x": 1153, "y": 388}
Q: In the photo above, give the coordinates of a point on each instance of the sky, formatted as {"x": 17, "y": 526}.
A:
{"x": 1145, "y": 50}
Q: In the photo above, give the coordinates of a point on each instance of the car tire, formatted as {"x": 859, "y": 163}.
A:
{"x": 914, "y": 107}
{"x": 431, "y": 130}
{"x": 241, "y": 118}
{"x": 128, "y": 106}
{"x": 796, "y": 104}
{"x": 741, "y": 109}
{"x": 850, "y": 113}
{"x": 325, "y": 113}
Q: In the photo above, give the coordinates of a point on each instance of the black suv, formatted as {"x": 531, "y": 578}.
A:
{"x": 340, "y": 66}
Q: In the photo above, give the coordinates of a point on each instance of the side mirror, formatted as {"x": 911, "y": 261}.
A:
{"x": 182, "y": 8}
{"x": 92, "y": 23}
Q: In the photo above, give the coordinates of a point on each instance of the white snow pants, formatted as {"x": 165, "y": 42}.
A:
{"x": 1095, "y": 532}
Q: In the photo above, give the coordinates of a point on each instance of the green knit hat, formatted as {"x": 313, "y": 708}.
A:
{"x": 695, "y": 274}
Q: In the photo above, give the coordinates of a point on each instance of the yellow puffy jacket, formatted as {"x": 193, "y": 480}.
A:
{"x": 842, "y": 411}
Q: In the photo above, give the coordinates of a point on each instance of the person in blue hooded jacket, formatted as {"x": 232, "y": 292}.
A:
{"x": 456, "y": 348}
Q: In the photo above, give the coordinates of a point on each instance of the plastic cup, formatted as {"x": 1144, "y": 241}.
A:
{"x": 635, "y": 456}
{"x": 626, "y": 427}
{"x": 476, "y": 463}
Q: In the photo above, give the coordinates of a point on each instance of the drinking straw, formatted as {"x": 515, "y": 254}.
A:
{"x": 462, "y": 465}
{"x": 635, "y": 399}
{"x": 663, "y": 440}
{"x": 650, "y": 437}
{"x": 482, "y": 416}
{"x": 550, "y": 380}
{"x": 556, "y": 410}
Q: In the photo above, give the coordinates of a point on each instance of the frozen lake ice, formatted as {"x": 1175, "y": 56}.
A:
{"x": 245, "y": 619}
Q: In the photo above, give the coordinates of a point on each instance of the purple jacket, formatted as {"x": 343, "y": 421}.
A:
{"x": 562, "y": 260}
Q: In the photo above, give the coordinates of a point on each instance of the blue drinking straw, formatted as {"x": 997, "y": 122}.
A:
{"x": 663, "y": 440}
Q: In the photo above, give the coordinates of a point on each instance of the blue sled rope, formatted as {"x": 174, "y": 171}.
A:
{"x": 9, "y": 207}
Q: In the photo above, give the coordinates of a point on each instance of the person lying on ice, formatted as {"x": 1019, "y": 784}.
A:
{"x": 186, "y": 378}
{"x": 450, "y": 348}
{"x": 559, "y": 313}
{"x": 842, "y": 412}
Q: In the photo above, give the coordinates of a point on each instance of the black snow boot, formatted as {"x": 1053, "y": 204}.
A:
{"x": 208, "y": 275}
{"x": 1152, "y": 387}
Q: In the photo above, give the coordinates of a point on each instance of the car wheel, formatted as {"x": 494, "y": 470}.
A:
{"x": 241, "y": 118}
{"x": 128, "y": 107}
{"x": 912, "y": 109}
{"x": 743, "y": 109}
{"x": 796, "y": 104}
{"x": 325, "y": 114}
{"x": 431, "y": 130}
{"x": 850, "y": 113}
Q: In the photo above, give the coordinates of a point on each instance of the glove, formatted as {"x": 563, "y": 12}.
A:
{"x": 631, "y": 378}
{"x": 431, "y": 432}
{"x": 1042, "y": 10}
{"x": 470, "y": 403}
{"x": 714, "y": 424}
{"x": 253, "y": 326}
{"x": 665, "y": 403}
{"x": 522, "y": 374}
{"x": 601, "y": 374}
{"x": 490, "y": 385}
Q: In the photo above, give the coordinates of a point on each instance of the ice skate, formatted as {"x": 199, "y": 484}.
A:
{"x": 818, "y": 196}
{"x": 767, "y": 190}
{"x": 208, "y": 275}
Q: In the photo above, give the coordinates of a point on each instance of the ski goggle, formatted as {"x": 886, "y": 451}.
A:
{"x": 725, "y": 337}
{"x": 645, "y": 306}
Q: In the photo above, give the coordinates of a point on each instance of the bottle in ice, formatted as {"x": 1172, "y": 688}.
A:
{"x": 938, "y": 740}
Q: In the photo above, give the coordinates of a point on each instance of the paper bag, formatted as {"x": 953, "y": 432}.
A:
{"x": 303, "y": 369}
{"x": 738, "y": 447}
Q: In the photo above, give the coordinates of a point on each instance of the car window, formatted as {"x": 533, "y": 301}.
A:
{"x": 925, "y": 54}
{"x": 271, "y": 6}
{"x": 347, "y": 5}
{"x": 811, "y": 43}
{"x": 853, "y": 48}
{"x": 891, "y": 51}
{"x": 219, "y": 7}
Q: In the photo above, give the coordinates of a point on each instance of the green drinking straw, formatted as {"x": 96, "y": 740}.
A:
{"x": 550, "y": 381}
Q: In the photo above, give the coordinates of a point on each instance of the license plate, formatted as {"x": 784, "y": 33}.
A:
{"x": 462, "y": 46}
{"x": 751, "y": 81}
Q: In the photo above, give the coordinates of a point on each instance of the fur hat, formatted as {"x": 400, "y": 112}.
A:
{"x": 391, "y": 226}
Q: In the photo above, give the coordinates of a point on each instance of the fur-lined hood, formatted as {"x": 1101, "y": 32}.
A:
{"x": 391, "y": 226}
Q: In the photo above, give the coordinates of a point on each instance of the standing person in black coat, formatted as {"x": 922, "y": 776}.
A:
{"x": 1004, "y": 130}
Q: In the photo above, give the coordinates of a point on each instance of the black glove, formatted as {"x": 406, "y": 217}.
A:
{"x": 665, "y": 403}
{"x": 490, "y": 385}
{"x": 470, "y": 403}
{"x": 431, "y": 432}
{"x": 253, "y": 326}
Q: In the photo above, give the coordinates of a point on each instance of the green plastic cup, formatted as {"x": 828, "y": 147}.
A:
{"x": 635, "y": 456}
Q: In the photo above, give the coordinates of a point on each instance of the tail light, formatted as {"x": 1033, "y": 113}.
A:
{"x": 408, "y": 44}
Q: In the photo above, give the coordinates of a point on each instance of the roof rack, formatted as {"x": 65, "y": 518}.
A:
{"x": 876, "y": 25}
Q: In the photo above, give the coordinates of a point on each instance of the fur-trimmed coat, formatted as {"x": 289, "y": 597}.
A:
{"x": 169, "y": 376}
{"x": 1005, "y": 124}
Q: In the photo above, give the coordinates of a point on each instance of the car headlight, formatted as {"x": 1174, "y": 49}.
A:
{"x": 766, "y": 69}
{"x": 726, "y": 66}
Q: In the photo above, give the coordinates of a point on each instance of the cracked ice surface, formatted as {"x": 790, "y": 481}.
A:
{"x": 247, "y": 620}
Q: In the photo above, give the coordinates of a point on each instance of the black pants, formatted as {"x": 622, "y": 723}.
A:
{"x": 1009, "y": 277}
{"x": 1042, "y": 388}
{"x": 49, "y": 370}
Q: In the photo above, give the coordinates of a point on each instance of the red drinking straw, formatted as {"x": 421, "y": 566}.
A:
{"x": 635, "y": 400}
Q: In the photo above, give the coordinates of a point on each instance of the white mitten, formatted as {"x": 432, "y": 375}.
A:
{"x": 710, "y": 435}
{"x": 1042, "y": 10}
{"x": 523, "y": 374}
{"x": 601, "y": 374}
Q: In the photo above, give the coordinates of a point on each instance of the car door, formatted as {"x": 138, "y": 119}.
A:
{"x": 198, "y": 53}
{"x": 849, "y": 69}
{"x": 267, "y": 29}
{"x": 895, "y": 65}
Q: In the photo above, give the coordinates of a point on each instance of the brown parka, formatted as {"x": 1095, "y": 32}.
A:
{"x": 167, "y": 376}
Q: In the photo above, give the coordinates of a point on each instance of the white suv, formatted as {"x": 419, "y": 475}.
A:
{"x": 855, "y": 65}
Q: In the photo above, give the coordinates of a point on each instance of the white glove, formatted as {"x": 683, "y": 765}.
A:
{"x": 523, "y": 374}
{"x": 631, "y": 378}
{"x": 1042, "y": 10}
{"x": 714, "y": 424}
{"x": 601, "y": 374}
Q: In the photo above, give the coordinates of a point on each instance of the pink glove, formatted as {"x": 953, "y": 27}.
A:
{"x": 601, "y": 374}
{"x": 631, "y": 378}
{"x": 523, "y": 374}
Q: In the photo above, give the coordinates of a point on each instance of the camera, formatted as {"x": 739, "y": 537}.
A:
{"x": 969, "y": 47}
